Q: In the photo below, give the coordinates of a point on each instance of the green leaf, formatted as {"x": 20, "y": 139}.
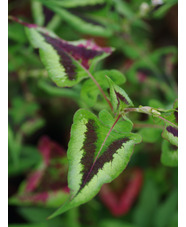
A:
{"x": 67, "y": 63}
{"x": 14, "y": 145}
{"x": 170, "y": 132}
{"x": 119, "y": 97}
{"x": 21, "y": 109}
{"x": 90, "y": 92}
{"x": 166, "y": 210}
{"x": 147, "y": 205}
{"x": 74, "y": 3}
{"x": 159, "y": 13}
{"x": 150, "y": 135}
{"x": 169, "y": 155}
{"x": 124, "y": 125}
{"x": 92, "y": 27}
{"x": 37, "y": 11}
{"x": 29, "y": 127}
{"x": 153, "y": 65}
{"x": 96, "y": 155}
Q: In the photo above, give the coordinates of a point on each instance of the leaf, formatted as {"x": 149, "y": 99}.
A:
{"x": 74, "y": 3}
{"x": 20, "y": 109}
{"x": 30, "y": 126}
{"x": 147, "y": 205}
{"x": 46, "y": 185}
{"x": 120, "y": 195}
{"x": 166, "y": 210}
{"x": 119, "y": 97}
{"x": 37, "y": 11}
{"x": 66, "y": 62}
{"x": 121, "y": 126}
{"x": 87, "y": 174}
{"x": 170, "y": 132}
{"x": 90, "y": 92}
{"x": 150, "y": 133}
{"x": 79, "y": 21}
{"x": 152, "y": 66}
{"x": 169, "y": 155}
{"x": 162, "y": 10}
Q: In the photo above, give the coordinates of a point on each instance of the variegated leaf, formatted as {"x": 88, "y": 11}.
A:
{"x": 119, "y": 97}
{"x": 170, "y": 132}
{"x": 96, "y": 155}
{"x": 66, "y": 62}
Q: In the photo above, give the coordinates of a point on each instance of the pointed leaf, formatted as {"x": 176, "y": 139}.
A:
{"x": 88, "y": 135}
{"x": 119, "y": 97}
{"x": 123, "y": 125}
{"x": 90, "y": 92}
{"x": 80, "y": 21}
{"x": 66, "y": 62}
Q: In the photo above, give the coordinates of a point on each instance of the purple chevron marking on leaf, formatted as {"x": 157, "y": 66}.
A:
{"x": 82, "y": 52}
{"x": 121, "y": 97}
{"x": 107, "y": 156}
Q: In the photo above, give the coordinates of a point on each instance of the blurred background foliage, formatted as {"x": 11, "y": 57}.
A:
{"x": 144, "y": 35}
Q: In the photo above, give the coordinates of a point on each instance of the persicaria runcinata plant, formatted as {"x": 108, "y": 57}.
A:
{"x": 101, "y": 140}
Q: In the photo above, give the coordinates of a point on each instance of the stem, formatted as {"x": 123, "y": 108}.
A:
{"x": 141, "y": 125}
{"x": 99, "y": 87}
{"x": 168, "y": 121}
{"x": 147, "y": 110}
{"x": 102, "y": 147}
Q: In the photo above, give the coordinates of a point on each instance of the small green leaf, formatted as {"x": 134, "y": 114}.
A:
{"x": 124, "y": 125}
{"x": 119, "y": 97}
{"x": 90, "y": 92}
{"x": 91, "y": 139}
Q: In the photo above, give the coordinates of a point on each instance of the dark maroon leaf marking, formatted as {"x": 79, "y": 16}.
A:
{"x": 173, "y": 147}
{"x": 89, "y": 148}
{"x": 107, "y": 156}
{"x": 172, "y": 130}
{"x": 79, "y": 52}
{"x": 66, "y": 61}
{"x": 121, "y": 97}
